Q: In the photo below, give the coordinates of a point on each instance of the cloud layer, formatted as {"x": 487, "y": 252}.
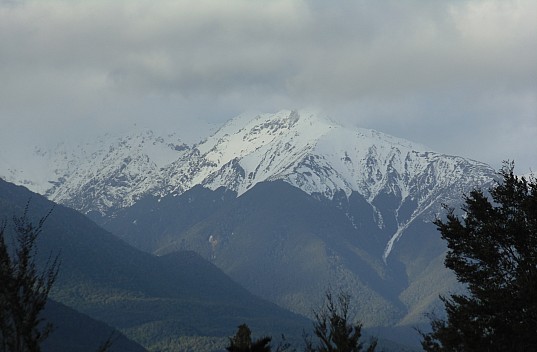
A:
{"x": 459, "y": 76}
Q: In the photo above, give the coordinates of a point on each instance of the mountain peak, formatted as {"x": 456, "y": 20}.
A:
{"x": 250, "y": 135}
{"x": 301, "y": 147}
{"x": 275, "y": 146}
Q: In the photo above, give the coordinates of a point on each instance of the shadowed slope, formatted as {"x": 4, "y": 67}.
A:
{"x": 149, "y": 298}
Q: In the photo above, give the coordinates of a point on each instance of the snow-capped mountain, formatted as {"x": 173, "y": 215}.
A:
{"x": 109, "y": 172}
{"x": 319, "y": 156}
{"x": 302, "y": 148}
{"x": 284, "y": 203}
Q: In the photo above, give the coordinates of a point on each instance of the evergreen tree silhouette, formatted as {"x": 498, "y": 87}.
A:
{"x": 242, "y": 342}
{"x": 493, "y": 251}
{"x": 24, "y": 289}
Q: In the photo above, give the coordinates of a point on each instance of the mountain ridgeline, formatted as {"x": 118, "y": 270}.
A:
{"x": 287, "y": 204}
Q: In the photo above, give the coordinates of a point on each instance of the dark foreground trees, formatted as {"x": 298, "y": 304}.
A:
{"x": 242, "y": 342}
{"x": 493, "y": 250}
{"x": 23, "y": 288}
{"x": 334, "y": 329}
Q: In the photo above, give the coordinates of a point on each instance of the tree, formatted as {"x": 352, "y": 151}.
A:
{"x": 334, "y": 330}
{"x": 242, "y": 342}
{"x": 493, "y": 251}
{"x": 24, "y": 289}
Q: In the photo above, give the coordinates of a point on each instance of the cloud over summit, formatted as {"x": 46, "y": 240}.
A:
{"x": 398, "y": 65}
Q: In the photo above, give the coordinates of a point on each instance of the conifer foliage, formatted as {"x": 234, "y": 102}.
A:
{"x": 24, "y": 289}
{"x": 493, "y": 251}
{"x": 242, "y": 342}
{"x": 334, "y": 329}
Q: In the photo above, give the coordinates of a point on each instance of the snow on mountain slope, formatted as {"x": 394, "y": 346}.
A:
{"x": 119, "y": 173}
{"x": 321, "y": 157}
{"x": 242, "y": 154}
{"x": 401, "y": 180}
{"x": 309, "y": 151}
{"x": 96, "y": 175}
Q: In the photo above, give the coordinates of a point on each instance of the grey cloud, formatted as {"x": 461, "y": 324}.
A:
{"x": 339, "y": 52}
{"x": 409, "y": 67}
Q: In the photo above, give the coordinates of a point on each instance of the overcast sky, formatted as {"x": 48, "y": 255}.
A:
{"x": 458, "y": 76}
